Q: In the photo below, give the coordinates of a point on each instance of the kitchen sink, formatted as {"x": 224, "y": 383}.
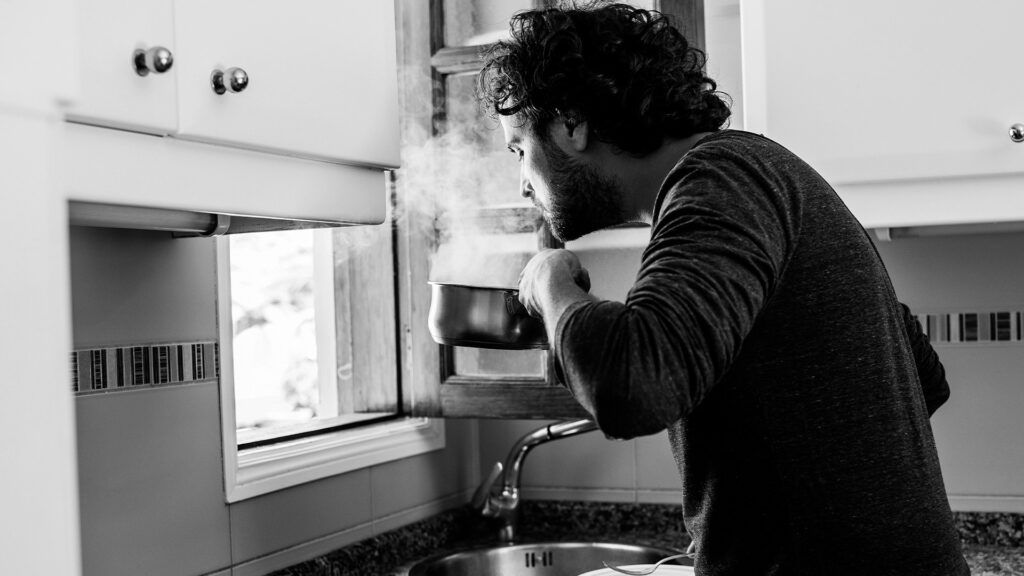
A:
{"x": 541, "y": 559}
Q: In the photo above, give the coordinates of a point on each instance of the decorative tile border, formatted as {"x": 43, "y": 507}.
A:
{"x": 974, "y": 327}
{"x": 131, "y": 367}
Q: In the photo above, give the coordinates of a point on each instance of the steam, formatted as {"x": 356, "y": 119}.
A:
{"x": 481, "y": 262}
{"x": 451, "y": 177}
{"x": 463, "y": 187}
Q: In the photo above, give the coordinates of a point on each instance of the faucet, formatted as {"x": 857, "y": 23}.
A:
{"x": 504, "y": 504}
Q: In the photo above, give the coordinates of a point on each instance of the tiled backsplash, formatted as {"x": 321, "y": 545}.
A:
{"x": 135, "y": 367}
{"x": 973, "y": 327}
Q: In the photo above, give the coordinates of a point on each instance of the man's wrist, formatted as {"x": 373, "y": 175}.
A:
{"x": 558, "y": 299}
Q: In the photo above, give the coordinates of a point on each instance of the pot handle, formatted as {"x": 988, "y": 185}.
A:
{"x": 512, "y": 304}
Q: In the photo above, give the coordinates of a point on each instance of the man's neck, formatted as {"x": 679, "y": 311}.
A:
{"x": 641, "y": 178}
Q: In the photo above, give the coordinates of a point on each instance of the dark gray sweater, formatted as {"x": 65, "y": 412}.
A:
{"x": 763, "y": 332}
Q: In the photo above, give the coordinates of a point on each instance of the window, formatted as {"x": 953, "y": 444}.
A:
{"x": 291, "y": 343}
{"x": 476, "y": 382}
{"x": 310, "y": 364}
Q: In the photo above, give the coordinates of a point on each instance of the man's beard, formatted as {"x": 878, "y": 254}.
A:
{"x": 581, "y": 200}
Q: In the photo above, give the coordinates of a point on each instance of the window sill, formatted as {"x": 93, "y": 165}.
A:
{"x": 265, "y": 469}
{"x": 275, "y": 432}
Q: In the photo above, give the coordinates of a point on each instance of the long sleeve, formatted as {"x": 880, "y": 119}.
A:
{"x": 720, "y": 240}
{"x": 929, "y": 368}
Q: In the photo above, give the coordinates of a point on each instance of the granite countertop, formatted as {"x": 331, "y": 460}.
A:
{"x": 993, "y": 543}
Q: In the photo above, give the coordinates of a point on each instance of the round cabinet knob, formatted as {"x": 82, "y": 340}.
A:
{"x": 231, "y": 80}
{"x": 1017, "y": 132}
{"x": 156, "y": 60}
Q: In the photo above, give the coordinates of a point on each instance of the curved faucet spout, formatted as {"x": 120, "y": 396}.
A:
{"x": 517, "y": 455}
{"x": 505, "y": 504}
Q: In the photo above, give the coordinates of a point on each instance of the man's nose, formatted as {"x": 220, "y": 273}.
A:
{"x": 525, "y": 188}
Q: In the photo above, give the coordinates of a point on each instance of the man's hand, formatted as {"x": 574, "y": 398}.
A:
{"x": 551, "y": 282}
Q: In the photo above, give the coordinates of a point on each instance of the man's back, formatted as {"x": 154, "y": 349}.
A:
{"x": 763, "y": 316}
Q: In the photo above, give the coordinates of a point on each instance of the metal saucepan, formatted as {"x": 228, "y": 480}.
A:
{"x": 482, "y": 317}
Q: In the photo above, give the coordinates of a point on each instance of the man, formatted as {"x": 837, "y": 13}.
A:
{"x": 762, "y": 331}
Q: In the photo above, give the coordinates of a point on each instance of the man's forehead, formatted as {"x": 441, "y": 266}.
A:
{"x": 512, "y": 129}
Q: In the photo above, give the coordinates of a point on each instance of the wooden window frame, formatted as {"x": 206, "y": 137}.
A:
{"x": 431, "y": 386}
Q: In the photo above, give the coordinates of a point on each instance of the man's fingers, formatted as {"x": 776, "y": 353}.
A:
{"x": 545, "y": 270}
{"x": 526, "y": 302}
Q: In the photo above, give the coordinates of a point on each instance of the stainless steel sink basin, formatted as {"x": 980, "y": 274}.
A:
{"x": 542, "y": 559}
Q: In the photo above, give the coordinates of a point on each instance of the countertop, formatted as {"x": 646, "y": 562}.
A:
{"x": 993, "y": 543}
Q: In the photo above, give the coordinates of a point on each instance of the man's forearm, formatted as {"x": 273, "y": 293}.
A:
{"x": 929, "y": 369}
{"x": 556, "y": 300}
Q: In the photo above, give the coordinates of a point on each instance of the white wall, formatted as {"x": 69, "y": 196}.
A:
{"x": 38, "y": 501}
{"x": 722, "y": 46}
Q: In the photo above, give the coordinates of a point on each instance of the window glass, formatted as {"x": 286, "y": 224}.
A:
{"x": 477, "y": 22}
{"x": 488, "y": 230}
{"x": 272, "y": 310}
{"x": 485, "y": 362}
{"x": 291, "y": 350}
{"x": 490, "y": 259}
{"x": 479, "y": 161}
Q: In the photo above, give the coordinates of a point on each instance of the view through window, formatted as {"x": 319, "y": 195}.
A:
{"x": 297, "y": 370}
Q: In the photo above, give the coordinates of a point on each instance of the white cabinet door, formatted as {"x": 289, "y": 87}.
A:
{"x": 111, "y": 32}
{"x": 876, "y": 90}
{"x": 322, "y": 78}
{"x": 38, "y": 63}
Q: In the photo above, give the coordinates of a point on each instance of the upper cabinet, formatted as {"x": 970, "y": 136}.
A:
{"x": 267, "y": 109}
{"x": 314, "y": 78}
{"x": 317, "y": 78}
{"x": 907, "y": 107}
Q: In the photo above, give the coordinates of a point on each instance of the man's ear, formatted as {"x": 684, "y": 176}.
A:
{"x": 572, "y": 133}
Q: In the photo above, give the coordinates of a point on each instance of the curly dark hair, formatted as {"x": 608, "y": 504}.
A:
{"x": 628, "y": 72}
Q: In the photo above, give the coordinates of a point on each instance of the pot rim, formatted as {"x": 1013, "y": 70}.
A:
{"x": 457, "y": 285}
{"x": 494, "y": 344}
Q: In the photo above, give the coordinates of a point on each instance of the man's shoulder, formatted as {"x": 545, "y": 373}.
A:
{"x": 729, "y": 151}
{"x": 728, "y": 141}
{"x": 727, "y": 162}
{"x": 738, "y": 151}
